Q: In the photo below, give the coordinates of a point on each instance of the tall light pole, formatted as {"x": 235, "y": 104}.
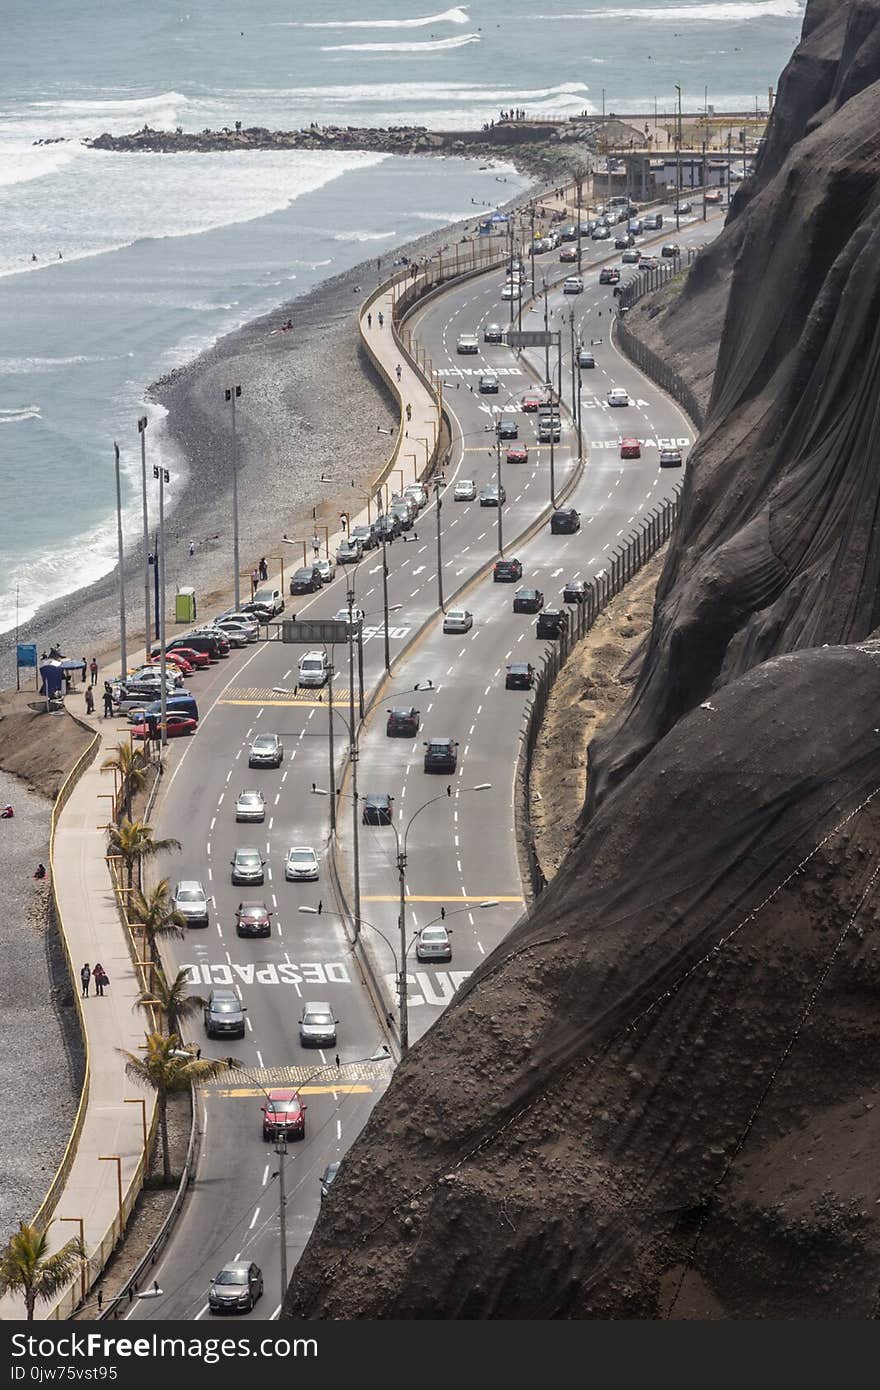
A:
{"x": 438, "y": 483}
{"x": 143, "y": 421}
{"x": 546, "y": 330}
{"x": 232, "y": 394}
{"x": 164, "y": 477}
{"x": 123, "y": 660}
{"x": 678, "y": 161}
{"x": 353, "y": 759}
{"x": 498, "y": 481}
{"x": 332, "y": 784}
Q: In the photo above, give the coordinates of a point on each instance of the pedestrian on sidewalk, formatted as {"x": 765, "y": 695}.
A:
{"x": 83, "y": 672}
{"x": 93, "y": 667}
{"x": 85, "y": 975}
{"x": 90, "y": 700}
{"x": 255, "y": 580}
{"x": 108, "y": 701}
{"x": 381, "y": 318}
{"x": 101, "y": 978}
{"x": 408, "y": 411}
{"x": 369, "y": 320}
{"x": 398, "y": 370}
{"x": 264, "y": 569}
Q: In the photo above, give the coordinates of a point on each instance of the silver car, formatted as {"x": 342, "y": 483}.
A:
{"x": 250, "y": 806}
{"x": 267, "y": 750}
{"x": 317, "y": 1026}
{"x": 246, "y": 621}
{"x": 328, "y": 570}
{"x": 465, "y": 490}
{"x": 433, "y": 944}
{"x": 301, "y": 863}
{"x": 191, "y": 902}
{"x": 458, "y": 620}
{"x": 248, "y": 866}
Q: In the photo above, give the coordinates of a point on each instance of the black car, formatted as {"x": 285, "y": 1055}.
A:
{"x": 236, "y": 1288}
{"x": 565, "y": 521}
{"x": 520, "y": 676}
{"x": 365, "y": 534}
{"x": 377, "y": 809}
{"x": 551, "y": 623}
{"x": 507, "y": 428}
{"x": 528, "y": 601}
{"x": 387, "y": 527}
{"x": 575, "y": 591}
{"x": 488, "y": 383}
{"x": 670, "y": 458}
{"x": 328, "y": 1177}
{"x": 624, "y": 241}
{"x": 306, "y": 580}
{"x": 507, "y": 571}
{"x": 609, "y": 275}
{"x": 670, "y": 250}
{"x": 403, "y": 722}
{"x": 493, "y": 333}
{"x": 441, "y": 755}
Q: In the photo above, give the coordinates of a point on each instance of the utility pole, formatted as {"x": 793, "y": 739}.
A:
{"x": 498, "y": 476}
{"x": 164, "y": 477}
{"x": 123, "y": 660}
{"x": 547, "y": 340}
{"x": 281, "y": 1151}
{"x": 705, "y": 176}
{"x": 401, "y": 988}
{"x": 678, "y": 161}
{"x": 232, "y": 395}
{"x": 353, "y": 759}
{"x": 439, "y": 482}
{"x": 573, "y": 365}
{"x": 330, "y": 745}
{"x": 142, "y": 431}
{"x": 532, "y": 250}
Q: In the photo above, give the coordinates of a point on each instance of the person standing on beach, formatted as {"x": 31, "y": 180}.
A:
{"x": 93, "y": 668}
{"x": 85, "y": 975}
{"x": 90, "y": 700}
{"x": 83, "y": 673}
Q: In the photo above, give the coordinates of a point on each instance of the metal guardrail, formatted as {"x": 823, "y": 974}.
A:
{"x": 626, "y": 561}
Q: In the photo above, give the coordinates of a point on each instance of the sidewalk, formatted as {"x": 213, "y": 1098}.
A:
{"x": 411, "y": 456}
{"x": 94, "y": 933}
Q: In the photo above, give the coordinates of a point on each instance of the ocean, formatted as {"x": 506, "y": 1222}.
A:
{"x": 115, "y": 269}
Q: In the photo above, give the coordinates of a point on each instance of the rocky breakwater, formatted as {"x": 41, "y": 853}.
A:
{"x": 661, "y": 1096}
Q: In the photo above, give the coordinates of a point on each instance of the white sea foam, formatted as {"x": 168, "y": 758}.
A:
{"x": 362, "y": 236}
{"x": 725, "y": 11}
{"x": 454, "y": 16}
{"x": 432, "y": 46}
{"x": 444, "y": 216}
{"x": 13, "y": 415}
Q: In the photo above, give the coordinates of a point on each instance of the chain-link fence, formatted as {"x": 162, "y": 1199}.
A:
{"x": 644, "y": 358}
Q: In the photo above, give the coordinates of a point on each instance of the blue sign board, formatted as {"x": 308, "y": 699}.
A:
{"x": 26, "y": 654}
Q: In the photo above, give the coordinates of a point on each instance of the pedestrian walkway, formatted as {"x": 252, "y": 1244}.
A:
{"x": 93, "y": 931}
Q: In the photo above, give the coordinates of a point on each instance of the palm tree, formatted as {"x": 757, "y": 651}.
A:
{"x": 171, "y": 999}
{"x": 130, "y": 764}
{"x": 133, "y": 842}
{"x": 160, "y": 1070}
{"x": 26, "y": 1268}
{"x": 155, "y": 912}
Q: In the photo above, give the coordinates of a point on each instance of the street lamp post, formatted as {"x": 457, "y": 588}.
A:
{"x": 232, "y": 394}
{"x": 123, "y": 659}
{"x": 498, "y": 481}
{"x": 353, "y": 759}
{"x": 678, "y": 161}
{"x": 331, "y": 752}
{"x": 164, "y": 477}
{"x": 143, "y": 421}
{"x": 439, "y": 482}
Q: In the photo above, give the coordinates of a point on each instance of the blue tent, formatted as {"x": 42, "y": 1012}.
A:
{"x": 499, "y": 217}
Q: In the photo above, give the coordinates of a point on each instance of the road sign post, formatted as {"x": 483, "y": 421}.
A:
{"x": 319, "y": 632}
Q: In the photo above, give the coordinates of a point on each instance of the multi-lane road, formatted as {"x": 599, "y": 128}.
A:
{"x": 461, "y": 851}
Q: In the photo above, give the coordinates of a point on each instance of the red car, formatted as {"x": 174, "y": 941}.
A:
{"x": 179, "y": 726}
{"x": 530, "y": 401}
{"x": 284, "y": 1113}
{"x": 174, "y": 659}
{"x": 568, "y": 253}
{"x": 192, "y": 656}
{"x": 630, "y": 449}
{"x": 518, "y": 453}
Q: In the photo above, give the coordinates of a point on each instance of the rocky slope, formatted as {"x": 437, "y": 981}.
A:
{"x": 660, "y": 1097}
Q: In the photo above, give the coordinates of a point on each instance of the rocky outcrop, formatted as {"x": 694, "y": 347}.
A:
{"x": 659, "y": 1098}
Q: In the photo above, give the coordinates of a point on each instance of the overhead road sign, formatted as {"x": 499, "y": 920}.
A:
{"x": 318, "y": 632}
{"x": 532, "y": 337}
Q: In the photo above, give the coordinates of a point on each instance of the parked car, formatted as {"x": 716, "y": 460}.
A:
{"x": 253, "y": 919}
{"x": 507, "y": 427}
{"x": 284, "y": 1114}
{"x": 441, "y": 755}
{"x": 224, "y": 1014}
{"x": 520, "y": 675}
{"x": 236, "y": 1288}
{"x": 301, "y": 864}
{"x": 191, "y": 902}
{"x": 266, "y": 750}
{"x": 235, "y": 633}
{"x": 586, "y": 359}
{"x": 377, "y": 809}
{"x": 402, "y": 722}
{"x": 618, "y": 396}
{"x": 327, "y": 570}
{"x": 175, "y": 659}
{"x": 493, "y": 333}
{"x": 270, "y": 598}
{"x": 366, "y": 535}
{"x": 174, "y": 704}
{"x": 197, "y": 660}
{"x": 306, "y": 580}
{"x": 551, "y": 623}
{"x": 243, "y": 620}
{"x": 433, "y": 943}
{"x": 403, "y": 514}
{"x": 250, "y": 805}
{"x": 488, "y": 384}
{"x": 177, "y": 726}
{"x": 507, "y": 571}
{"x": 418, "y": 493}
{"x": 670, "y": 458}
{"x": 465, "y": 490}
{"x": 458, "y": 620}
{"x": 317, "y": 1026}
{"x": 573, "y": 285}
{"x": 387, "y": 527}
{"x": 575, "y": 591}
{"x": 565, "y": 521}
{"x": 247, "y": 867}
{"x": 528, "y": 601}
{"x": 349, "y": 552}
{"x": 492, "y": 495}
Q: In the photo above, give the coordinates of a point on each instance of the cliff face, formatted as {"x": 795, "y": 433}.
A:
{"x": 660, "y": 1097}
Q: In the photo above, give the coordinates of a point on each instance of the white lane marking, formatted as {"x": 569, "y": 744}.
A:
{"x": 265, "y": 1175}
{"x": 254, "y": 1218}
{"x": 213, "y": 822}
{"x": 259, "y": 1058}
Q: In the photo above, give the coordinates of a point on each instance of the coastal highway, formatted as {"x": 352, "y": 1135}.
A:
{"x": 461, "y": 850}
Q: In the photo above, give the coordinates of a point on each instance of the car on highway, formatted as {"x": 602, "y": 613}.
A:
{"x": 573, "y": 284}
{"x": 623, "y": 241}
{"x": 518, "y": 453}
{"x": 317, "y": 1026}
{"x": 236, "y": 1288}
{"x": 306, "y": 580}
{"x": 465, "y": 490}
{"x": 617, "y": 395}
{"x": 520, "y": 675}
{"x": 631, "y": 257}
{"x": 683, "y": 209}
{"x": 441, "y": 755}
{"x": 507, "y": 427}
{"x": 492, "y": 495}
{"x": 177, "y": 726}
{"x": 458, "y": 620}
{"x": 609, "y": 275}
{"x": 190, "y": 902}
{"x": 270, "y": 598}
{"x": 568, "y": 254}
{"x": 507, "y": 571}
{"x": 652, "y": 222}
{"x": 670, "y": 250}
{"x": 250, "y": 805}
{"x": 328, "y": 1177}
{"x": 635, "y": 226}
{"x": 530, "y": 402}
{"x": 528, "y": 601}
{"x": 247, "y": 866}
{"x": 549, "y": 429}
{"x": 433, "y": 943}
{"x": 327, "y": 570}
{"x": 224, "y": 1014}
{"x": 670, "y": 458}
{"x": 266, "y": 750}
{"x": 402, "y": 722}
{"x": 341, "y": 616}
{"x": 253, "y": 918}
{"x": 648, "y": 263}
{"x": 284, "y": 1114}
{"x": 585, "y": 359}
{"x": 575, "y": 591}
{"x": 365, "y": 534}
{"x": 467, "y": 343}
{"x": 493, "y": 333}
{"x": 301, "y": 864}
{"x": 600, "y": 233}
{"x": 377, "y": 809}
{"x": 565, "y": 521}
{"x": 630, "y": 449}
{"x": 313, "y": 668}
{"x": 349, "y": 552}
{"x": 488, "y": 383}
{"x": 713, "y": 195}
{"x": 512, "y": 289}
{"x": 551, "y": 623}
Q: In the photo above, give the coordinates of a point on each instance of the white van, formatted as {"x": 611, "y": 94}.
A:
{"x": 314, "y": 668}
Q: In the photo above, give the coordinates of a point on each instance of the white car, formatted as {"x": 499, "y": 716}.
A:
{"x": 467, "y": 342}
{"x": 191, "y": 901}
{"x": 328, "y": 570}
{"x": 301, "y": 863}
{"x": 573, "y": 285}
{"x": 341, "y": 615}
{"x": 433, "y": 944}
{"x": 465, "y": 490}
{"x": 458, "y": 620}
{"x": 418, "y": 493}
{"x": 618, "y": 396}
{"x": 250, "y": 806}
{"x": 511, "y": 291}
